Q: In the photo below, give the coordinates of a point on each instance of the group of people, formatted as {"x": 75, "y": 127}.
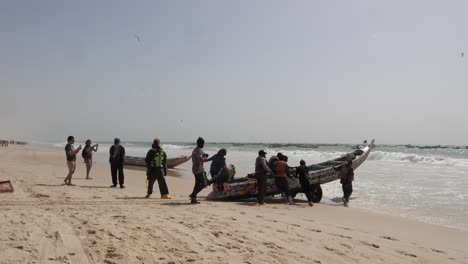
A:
{"x": 4, "y": 143}
{"x": 156, "y": 158}
{"x": 116, "y": 160}
{"x": 278, "y": 168}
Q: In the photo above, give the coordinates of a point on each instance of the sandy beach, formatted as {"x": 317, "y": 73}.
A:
{"x": 44, "y": 221}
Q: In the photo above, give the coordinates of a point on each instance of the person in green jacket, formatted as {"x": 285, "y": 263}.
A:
{"x": 156, "y": 169}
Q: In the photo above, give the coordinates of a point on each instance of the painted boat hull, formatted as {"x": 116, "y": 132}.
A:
{"x": 319, "y": 173}
{"x": 171, "y": 162}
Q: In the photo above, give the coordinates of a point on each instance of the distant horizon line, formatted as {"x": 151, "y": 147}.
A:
{"x": 264, "y": 143}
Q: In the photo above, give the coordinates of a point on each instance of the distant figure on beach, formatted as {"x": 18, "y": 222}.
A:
{"x": 156, "y": 169}
{"x": 261, "y": 171}
{"x": 87, "y": 155}
{"x": 280, "y": 172}
{"x": 70, "y": 153}
{"x": 116, "y": 160}
{"x": 346, "y": 180}
{"x": 302, "y": 171}
{"x": 198, "y": 157}
{"x": 218, "y": 161}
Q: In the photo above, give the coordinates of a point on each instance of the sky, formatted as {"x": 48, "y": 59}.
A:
{"x": 235, "y": 71}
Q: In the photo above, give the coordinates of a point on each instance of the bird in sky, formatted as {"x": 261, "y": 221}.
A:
{"x": 462, "y": 54}
{"x": 138, "y": 38}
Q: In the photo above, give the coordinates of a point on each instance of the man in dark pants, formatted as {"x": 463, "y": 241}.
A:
{"x": 261, "y": 170}
{"x": 302, "y": 171}
{"x": 156, "y": 164}
{"x": 281, "y": 172}
{"x": 347, "y": 178}
{"x": 198, "y": 157}
{"x": 116, "y": 160}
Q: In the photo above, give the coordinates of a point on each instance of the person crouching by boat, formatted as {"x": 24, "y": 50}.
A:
{"x": 302, "y": 171}
{"x": 261, "y": 171}
{"x": 218, "y": 161}
{"x": 346, "y": 180}
{"x": 198, "y": 157}
{"x": 280, "y": 173}
{"x": 156, "y": 169}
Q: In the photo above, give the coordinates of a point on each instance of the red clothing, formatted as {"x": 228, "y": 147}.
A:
{"x": 280, "y": 169}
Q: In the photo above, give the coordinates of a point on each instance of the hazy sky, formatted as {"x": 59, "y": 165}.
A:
{"x": 269, "y": 71}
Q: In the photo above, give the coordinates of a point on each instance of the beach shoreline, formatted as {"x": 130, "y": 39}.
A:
{"x": 45, "y": 221}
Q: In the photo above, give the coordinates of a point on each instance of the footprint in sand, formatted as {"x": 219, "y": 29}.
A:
{"x": 348, "y": 237}
{"x": 438, "y": 251}
{"x": 389, "y": 238}
{"x": 406, "y": 253}
{"x": 346, "y": 246}
{"x": 335, "y": 251}
{"x": 216, "y": 234}
{"x": 370, "y": 244}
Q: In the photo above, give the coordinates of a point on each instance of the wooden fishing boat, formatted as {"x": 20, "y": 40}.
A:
{"x": 319, "y": 173}
{"x": 171, "y": 162}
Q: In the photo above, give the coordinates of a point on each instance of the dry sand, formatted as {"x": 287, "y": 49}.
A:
{"x": 44, "y": 221}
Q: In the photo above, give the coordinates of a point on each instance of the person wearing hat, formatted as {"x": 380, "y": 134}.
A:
{"x": 261, "y": 171}
{"x": 156, "y": 169}
{"x": 198, "y": 157}
{"x": 116, "y": 160}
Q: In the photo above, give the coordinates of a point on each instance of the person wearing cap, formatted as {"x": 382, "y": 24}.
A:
{"x": 156, "y": 169}
{"x": 116, "y": 160}
{"x": 261, "y": 171}
{"x": 198, "y": 157}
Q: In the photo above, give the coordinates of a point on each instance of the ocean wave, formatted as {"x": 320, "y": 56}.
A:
{"x": 171, "y": 146}
{"x": 415, "y": 158}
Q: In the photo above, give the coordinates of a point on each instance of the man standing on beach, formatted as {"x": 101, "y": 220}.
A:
{"x": 116, "y": 160}
{"x": 346, "y": 180}
{"x": 70, "y": 152}
{"x": 87, "y": 155}
{"x": 156, "y": 169}
{"x": 261, "y": 170}
{"x": 281, "y": 172}
{"x": 198, "y": 157}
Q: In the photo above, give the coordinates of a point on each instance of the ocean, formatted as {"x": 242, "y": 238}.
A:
{"x": 426, "y": 183}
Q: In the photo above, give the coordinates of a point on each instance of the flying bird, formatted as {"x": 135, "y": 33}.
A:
{"x": 137, "y": 38}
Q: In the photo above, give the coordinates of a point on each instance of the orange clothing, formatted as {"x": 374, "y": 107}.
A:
{"x": 280, "y": 169}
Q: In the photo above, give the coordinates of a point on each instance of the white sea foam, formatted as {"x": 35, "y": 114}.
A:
{"x": 415, "y": 158}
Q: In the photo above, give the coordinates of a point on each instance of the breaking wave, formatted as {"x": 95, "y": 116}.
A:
{"x": 415, "y": 158}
